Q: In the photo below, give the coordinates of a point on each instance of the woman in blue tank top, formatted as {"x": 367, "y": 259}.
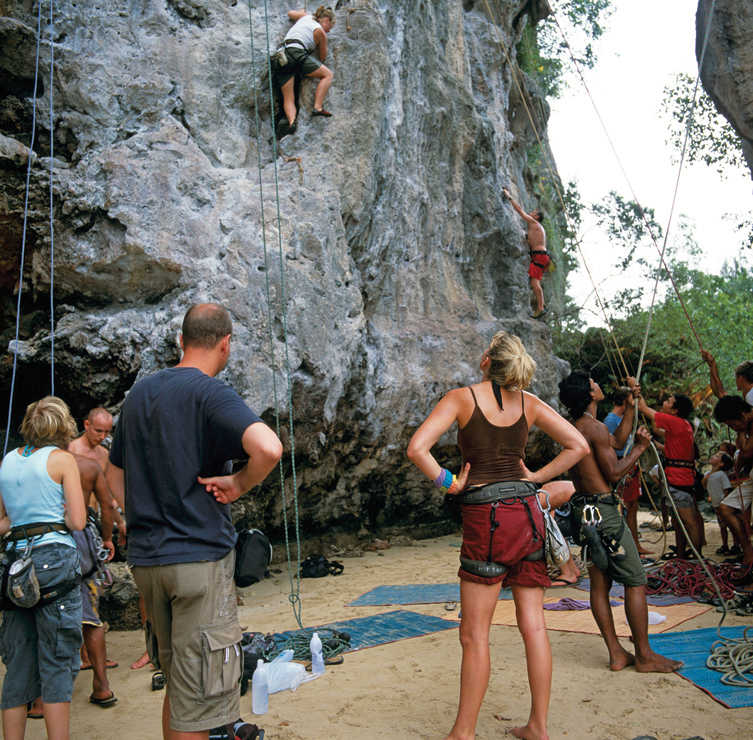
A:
{"x": 502, "y": 525}
{"x": 40, "y": 502}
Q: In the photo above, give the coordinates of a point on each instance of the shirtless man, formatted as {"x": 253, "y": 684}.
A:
{"x": 97, "y": 425}
{"x": 610, "y": 544}
{"x": 743, "y": 377}
{"x": 537, "y": 246}
{"x": 93, "y": 482}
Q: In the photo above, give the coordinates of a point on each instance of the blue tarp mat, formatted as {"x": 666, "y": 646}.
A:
{"x": 618, "y": 591}
{"x": 418, "y": 593}
{"x": 379, "y": 629}
{"x": 693, "y": 647}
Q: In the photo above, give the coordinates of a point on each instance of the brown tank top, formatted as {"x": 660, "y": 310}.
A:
{"x": 495, "y": 453}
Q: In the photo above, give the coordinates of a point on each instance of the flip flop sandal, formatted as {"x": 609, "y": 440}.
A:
{"x": 450, "y": 606}
{"x": 321, "y": 112}
{"x": 105, "y": 701}
{"x": 158, "y": 681}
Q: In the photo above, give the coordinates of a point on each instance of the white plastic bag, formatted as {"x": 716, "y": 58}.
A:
{"x": 283, "y": 674}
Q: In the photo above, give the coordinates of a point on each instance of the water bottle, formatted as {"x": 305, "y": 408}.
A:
{"x": 260, "y": 689}
{"x": 317, "y": 659}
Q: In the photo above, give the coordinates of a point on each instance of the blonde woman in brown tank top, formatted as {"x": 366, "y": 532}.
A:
{"x": 502, "y": 537}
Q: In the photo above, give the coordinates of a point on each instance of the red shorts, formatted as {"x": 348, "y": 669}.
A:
{"x": 512, "y": 541}
{"x": 539, "y": 263}
{"x": 631, "y": 488}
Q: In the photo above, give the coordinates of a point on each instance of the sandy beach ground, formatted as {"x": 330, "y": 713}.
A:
{"x": 408, "y": 689}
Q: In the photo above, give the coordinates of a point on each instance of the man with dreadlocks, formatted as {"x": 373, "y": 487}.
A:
{"x": 611, "y": 548}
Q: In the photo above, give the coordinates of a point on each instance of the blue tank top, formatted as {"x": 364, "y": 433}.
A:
{"x": 31, "y": 496}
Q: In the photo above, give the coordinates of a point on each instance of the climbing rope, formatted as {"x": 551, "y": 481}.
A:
{"x": 52, "y": 226}
{"x": 733, "y": 657}
{"x": 596, "y": 293}
{"x": 578, "y": 69}
{"x": 686, "y": 578}
{"x": 294, "y": 577}
{"x": 23, "y": 231}
{"x": 334, "y": 642}
{"x": 554, "y": 179}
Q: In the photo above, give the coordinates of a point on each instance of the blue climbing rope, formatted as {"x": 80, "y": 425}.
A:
{"x": 294, "y": 577}
{"x": 23, "y": 232}
{"x": 52, "y": 226}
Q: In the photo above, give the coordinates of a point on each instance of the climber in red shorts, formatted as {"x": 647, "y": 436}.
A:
{"x": 537, "y": 245}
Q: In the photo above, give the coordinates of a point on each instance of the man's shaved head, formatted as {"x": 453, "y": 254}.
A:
{"x": 205, "y": 324}
{"x": 99, "y": 411}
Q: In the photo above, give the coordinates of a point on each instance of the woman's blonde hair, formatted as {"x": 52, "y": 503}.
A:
{"x": 511, "y": 366}
{"x": 48, "y": 422}
{"x": 322, "y": 12}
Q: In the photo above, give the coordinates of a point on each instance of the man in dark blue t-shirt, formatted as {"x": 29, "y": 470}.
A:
{"x": 176, "y": 432}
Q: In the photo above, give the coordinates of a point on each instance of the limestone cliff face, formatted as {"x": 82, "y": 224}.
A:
{"x": 400, "y": 257}
{"x": 727, "y": 72}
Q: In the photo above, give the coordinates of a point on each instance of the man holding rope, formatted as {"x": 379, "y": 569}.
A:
{"x": 611, "y": 547}
{"x": 679, "y": 465}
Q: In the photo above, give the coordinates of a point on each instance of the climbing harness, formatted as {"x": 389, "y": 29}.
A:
{"x": 500, "y": 494}
{"x": 293, "y": 573}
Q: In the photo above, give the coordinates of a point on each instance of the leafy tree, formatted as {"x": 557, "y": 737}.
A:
{"x": 543, "y": 53}
{"x": 711, "y": 138}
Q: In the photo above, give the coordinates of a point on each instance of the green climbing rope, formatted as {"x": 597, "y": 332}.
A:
{"x": 294, "y": 576}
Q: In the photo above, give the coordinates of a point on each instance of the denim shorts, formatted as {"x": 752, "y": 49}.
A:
{"x": 40, "y": 646}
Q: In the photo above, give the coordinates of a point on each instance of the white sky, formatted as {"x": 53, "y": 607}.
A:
{"x": 647, "y": 43}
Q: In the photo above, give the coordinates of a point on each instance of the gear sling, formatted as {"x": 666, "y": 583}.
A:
{"x": 497, "y": 494}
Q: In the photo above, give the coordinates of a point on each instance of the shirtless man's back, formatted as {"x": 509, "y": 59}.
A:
{"x": 603, "y": 526}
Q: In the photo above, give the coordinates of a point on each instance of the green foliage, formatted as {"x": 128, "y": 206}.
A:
{"x": 543, "y": 53}
{"x": 711, "y": 139}
{"x": 719, "y": 306}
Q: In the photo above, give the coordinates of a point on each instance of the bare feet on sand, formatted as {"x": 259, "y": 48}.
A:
{"x": 655, "y": 663}
{"x": 621, "y": 660}
{"x": 141, "y": 662}
{"x": 528, "y": 733}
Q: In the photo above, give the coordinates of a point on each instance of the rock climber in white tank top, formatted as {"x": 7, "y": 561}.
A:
{"x": 306, "y": 49}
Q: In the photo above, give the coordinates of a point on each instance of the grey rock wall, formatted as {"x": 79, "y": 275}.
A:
{"x": 400, "y": 258}
{"x": 727, "y": 72}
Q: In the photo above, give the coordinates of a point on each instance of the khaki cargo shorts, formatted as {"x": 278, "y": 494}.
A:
{"x": 193, "y": 635}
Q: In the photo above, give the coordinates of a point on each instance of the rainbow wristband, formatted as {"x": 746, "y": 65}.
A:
{"x": 445, "y": 479}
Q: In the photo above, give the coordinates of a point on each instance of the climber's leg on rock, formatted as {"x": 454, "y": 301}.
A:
{"x": 288, "y": 100}
{"x": 324, "y": 75}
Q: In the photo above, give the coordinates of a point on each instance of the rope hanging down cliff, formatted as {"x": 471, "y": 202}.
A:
{"x": 22, "y": 258}
{"x": 295, "y": 578}
{"x": 556, "y": 185}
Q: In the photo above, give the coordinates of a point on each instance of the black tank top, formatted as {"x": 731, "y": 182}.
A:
{"x": 495, "y": 453}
